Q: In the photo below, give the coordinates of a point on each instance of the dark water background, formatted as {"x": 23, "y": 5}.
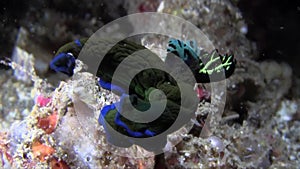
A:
{"x": 275, "y": 27}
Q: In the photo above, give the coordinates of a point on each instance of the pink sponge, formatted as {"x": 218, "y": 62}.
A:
{"x": 42, "y": 100}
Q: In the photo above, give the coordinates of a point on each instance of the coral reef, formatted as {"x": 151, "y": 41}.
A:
{"x": 46, "y": 137}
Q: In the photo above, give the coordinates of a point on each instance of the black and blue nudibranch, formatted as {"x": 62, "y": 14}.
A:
{"x": 206, "y": 67}
{"x": 64, "y": 60}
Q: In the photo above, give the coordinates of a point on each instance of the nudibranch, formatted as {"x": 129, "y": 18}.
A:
{"x": 64, "y": 60}
{"x": 209, "y": 70}
{"x": 143, "y": 83}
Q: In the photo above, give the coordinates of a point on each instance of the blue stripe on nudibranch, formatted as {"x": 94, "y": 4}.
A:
{"x": 130, "y": 132}
{"x": 105, "y": 110}
{"x": 78, "y": 43}
{"x": 63, "y": 62}
{"x": 112, "y": 87}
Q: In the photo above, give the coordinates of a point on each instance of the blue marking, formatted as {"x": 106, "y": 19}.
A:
{"x": 122, "y": 124}
{"x": 112, "y": 87}
{"x": 128, "y": 130}
{"x": 78, "y": 43}
{"x": 149, "y": 133}
{"x": 64, "y": 63}
{"x": 101, "y": 119}
{"x": 105, "y": 110}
